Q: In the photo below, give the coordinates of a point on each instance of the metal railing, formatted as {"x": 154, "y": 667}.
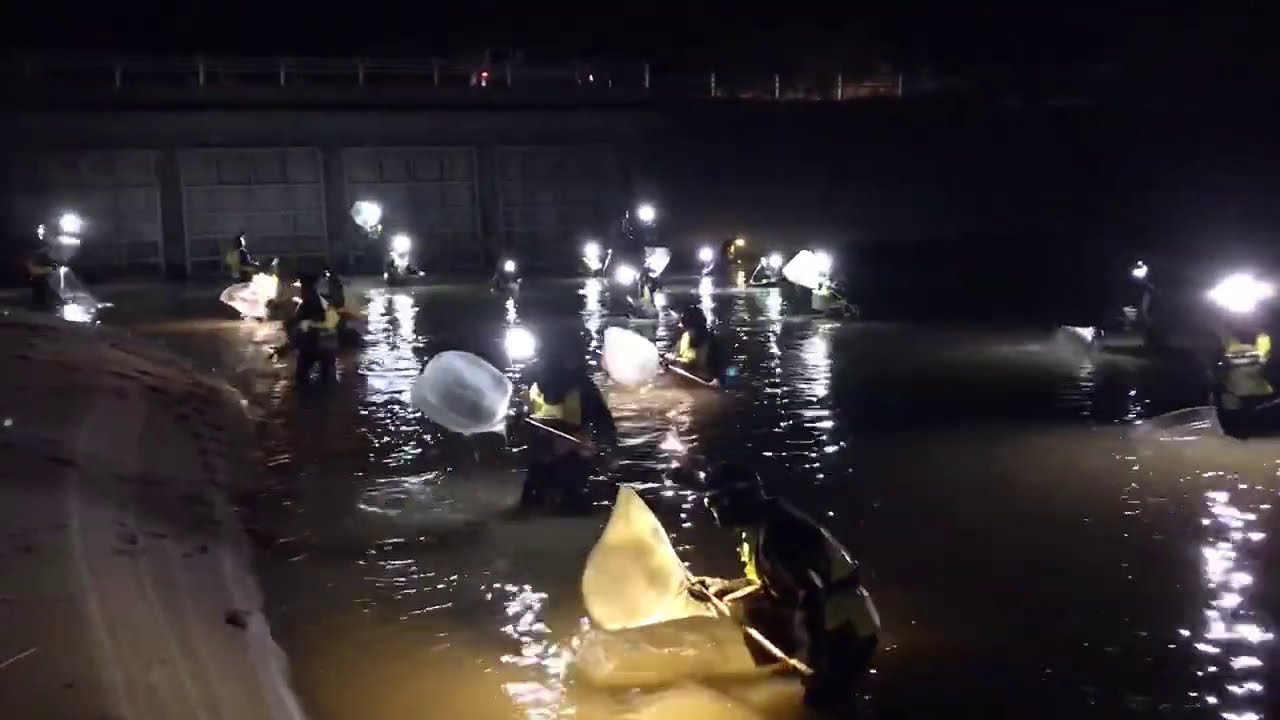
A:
{"x": 68, "y": 74}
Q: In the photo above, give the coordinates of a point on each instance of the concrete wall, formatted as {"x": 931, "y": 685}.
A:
{"x": 432, "y": 193}
{"x": 274, "y": 195}
{"x": 459, "y": 182}
{"x": 549, "y": 195}
{"x": 985, "y": 181}
{"x": 118, "y": 189}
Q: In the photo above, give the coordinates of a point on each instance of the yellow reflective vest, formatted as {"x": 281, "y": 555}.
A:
{"x": 328, "y": 324}
{"x": 747, "y": 554}
{"x": 566, "y": 412}
{"x": 1261, "y": 347}
{"x": 690, "y": 355}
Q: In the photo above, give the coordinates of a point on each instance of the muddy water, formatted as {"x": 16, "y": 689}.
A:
{"x": 1032, "y": 549}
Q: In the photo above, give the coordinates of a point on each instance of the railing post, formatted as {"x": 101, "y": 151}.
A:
{"x": 713, "y": 83}
{"x": 777, "y": 87}
{"x": 200, "y": 70}
{"x": 119, "y": 74}
{"x": 646, "y": 74}
{"x": 281, "y": 69}
{"x": 435, "y": 72}
{"x": 507, "y": 67}
{"x": 360, "y": 71}
{"x": 839, "y": 85}
{"x": 899, "y": 84}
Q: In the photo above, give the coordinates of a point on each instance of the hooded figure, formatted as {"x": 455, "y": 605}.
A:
{"x": 313, "y": 332}
{"x": 41, "y": 267}
{"x": 238, "y": 261}
{"x": 698, "y": 351}
{"x": 811, "y": 586}
{"x": 563, "y": 396}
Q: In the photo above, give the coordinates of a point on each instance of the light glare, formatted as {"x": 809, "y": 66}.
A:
{"x": 520, "y": 343}
{"x": 1241, "y": 293}
{"x": 70, "y": 223}
{"x": 366, "y": 213}
{"x": 625, "y": 274}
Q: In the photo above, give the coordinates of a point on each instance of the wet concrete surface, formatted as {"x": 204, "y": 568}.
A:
{"x": 1032, "y": 548}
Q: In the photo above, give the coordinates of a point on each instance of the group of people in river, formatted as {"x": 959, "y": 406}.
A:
{"x": 318, "y": 323}
{"x": 810, "y": 589}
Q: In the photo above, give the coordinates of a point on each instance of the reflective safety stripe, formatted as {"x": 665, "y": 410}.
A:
{"x": 1261, "y": 347}
{"x": 1235, "y": 347}
{"x": 567, "y": 411}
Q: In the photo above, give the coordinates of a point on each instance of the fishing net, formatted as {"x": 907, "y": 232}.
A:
{"x": 629, "y": 358}
{"x": 251, "y": 299}
{"x": 633, "y": 576}
{"x": 656, "y": 259}
{"x": 463, "y": 393}
{"x": 1187, "y": 424}
{"x": 648, "y": 630}
{"x": 805, "y": 270}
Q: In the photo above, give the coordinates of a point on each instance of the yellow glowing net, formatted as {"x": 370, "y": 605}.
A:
{"x": 633, "y": 576}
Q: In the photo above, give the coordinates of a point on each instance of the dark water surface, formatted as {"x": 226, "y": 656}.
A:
{"x": 1033, "y": 551}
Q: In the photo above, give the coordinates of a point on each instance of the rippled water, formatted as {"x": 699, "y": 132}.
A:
{"x": 1031, "y": 550}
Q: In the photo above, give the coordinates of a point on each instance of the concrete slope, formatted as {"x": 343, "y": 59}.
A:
{"x": 126, "y": 586}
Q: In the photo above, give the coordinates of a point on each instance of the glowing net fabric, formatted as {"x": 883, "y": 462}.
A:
{"x": 463, "y": 393}
{"x": 629, "y": 358}
{"x": 633, "y": 576}
{"x": 649, "y": 630}
{"x": 805, "y": 270}
{"x": 251, "y": 299}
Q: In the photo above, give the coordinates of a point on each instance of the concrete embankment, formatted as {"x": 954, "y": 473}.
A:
{"x": 126, "y": 582}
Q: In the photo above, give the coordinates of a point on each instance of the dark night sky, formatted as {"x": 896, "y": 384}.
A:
{"x": 941, "y": 35}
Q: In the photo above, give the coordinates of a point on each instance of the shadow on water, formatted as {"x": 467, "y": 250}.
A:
{"x": 1031, "y": 554}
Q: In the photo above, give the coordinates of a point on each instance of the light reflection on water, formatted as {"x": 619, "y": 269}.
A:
{"x": 1233, "y": 638}
{"x": 389, "y": 364}
{"x": 544, "y": 697}
{"x": 417, "y": 570}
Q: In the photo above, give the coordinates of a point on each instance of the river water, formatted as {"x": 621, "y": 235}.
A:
{"x": 1033, "y": 547}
